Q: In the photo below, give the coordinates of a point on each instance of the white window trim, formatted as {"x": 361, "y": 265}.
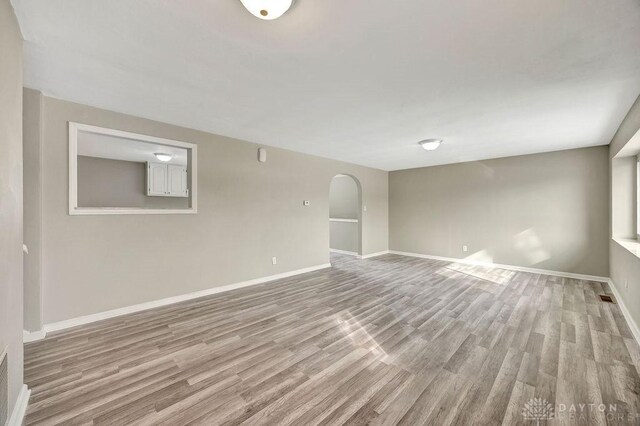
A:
{"x": 638, "y": 197}
{"x": 74, "y": 128}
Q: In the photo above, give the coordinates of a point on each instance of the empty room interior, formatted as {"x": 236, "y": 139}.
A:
{"x": 304, "y": 212}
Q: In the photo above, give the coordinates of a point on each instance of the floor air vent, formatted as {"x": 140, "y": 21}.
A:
{"x": 4, "y": 388}
{"x": 606, "y": 298}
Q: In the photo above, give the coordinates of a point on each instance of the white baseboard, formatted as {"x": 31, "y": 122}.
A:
{"x": 380, "y": 253}
{"x": 508, "y": 267}
{"x": 350, "y": 253}
{"x": 73, "y": 322}
{"x": 635, "y": 330}
{"x": 20, "y": 409}
{"x": 353, "y": 253}
{"x": 33, "y": 336}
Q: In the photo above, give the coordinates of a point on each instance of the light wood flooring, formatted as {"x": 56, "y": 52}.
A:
{"x": 388, "y": 340}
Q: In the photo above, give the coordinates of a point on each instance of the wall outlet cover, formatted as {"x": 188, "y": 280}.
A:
{"x": 274, "y": 260}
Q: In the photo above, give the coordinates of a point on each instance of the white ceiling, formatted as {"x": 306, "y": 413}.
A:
{"x": 117, "y": 148}
{"x": 359, "y": 80}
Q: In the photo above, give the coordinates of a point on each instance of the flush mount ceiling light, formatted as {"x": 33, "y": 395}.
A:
{"x": 431, "y": 144}
{"x": 163, "y": 157}
{"x": 267, "y": 9}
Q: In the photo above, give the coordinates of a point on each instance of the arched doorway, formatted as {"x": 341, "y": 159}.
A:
{"x": 345, "y": 215}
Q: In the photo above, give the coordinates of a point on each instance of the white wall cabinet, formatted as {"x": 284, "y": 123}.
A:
{"x": 178, "y": 181}
{"x": 157, "y": 179}
{"x": 166, "y": 180}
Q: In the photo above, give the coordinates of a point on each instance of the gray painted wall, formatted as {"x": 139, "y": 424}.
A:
{"x": 344, "y": 236}
{"x": 343, "y": 198}
{"x": 11, "y": 197}
{"x": 344, "y": 204}
{"x": 625, "y": 266}
{"x": 104, "y": 182}
{"x": 546, "y": 211}
{"x": 247, "y": 213}
{"x": 32, "y": 173}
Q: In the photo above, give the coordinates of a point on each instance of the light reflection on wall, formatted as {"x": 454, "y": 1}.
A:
{"x": 529, "y": 245}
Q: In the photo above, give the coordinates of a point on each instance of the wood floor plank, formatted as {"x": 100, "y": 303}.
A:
{"x": 384, "y": 341}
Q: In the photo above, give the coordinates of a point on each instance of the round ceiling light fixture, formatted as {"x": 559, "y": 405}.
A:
{"x": 164, "y": 157}
{"x": 431, "y": 144}
{"x": 267, "y": 9}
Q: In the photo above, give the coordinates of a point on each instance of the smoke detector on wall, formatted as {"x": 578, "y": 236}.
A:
{"x": 267, "y": 9}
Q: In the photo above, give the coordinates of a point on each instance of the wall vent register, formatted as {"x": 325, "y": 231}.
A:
{"x": 606, "y": 298}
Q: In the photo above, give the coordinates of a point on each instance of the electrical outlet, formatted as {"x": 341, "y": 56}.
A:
{"x": 364, "y": 208}
{"x": 306, "y": 203}
{"x": 274, "y": 260}
{"x": 465, "y": 249}
{"x": 626, "y": 283}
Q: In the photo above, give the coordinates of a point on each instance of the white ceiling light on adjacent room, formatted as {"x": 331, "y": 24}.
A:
{"x": 267, "y": 9}
{"x": 163, "y": 157}
{"x": 431, "y": 144}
